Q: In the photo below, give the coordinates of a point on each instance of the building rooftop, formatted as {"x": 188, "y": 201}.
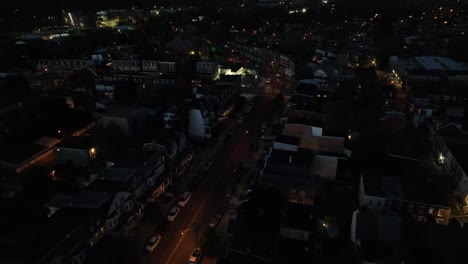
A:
{"x": 323, "y": 144}
{"x": 460, "y": 152}
{"x": 445, "y": 242}
{"x": 134, "y": 159}
{"x": 381, "y": 228}
{"x": 405, "y": 180}
{"x": 431, "y": 65}
{"x": 302, "y": 101}
{"x": 59, "y": 200}
{"x": 289, "y": 167}
{"x": 110, "y": 187}
{"x": 17, "y": 153}
{"x": 306, "y": 117}
{"x": 81, "y": 142}
{"x": 114, "y": 174}
{"x": 89, "y": 199}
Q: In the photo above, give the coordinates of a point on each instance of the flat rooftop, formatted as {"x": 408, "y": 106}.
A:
{"x": 405, "y": 180}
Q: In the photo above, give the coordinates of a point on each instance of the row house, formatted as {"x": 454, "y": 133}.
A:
{"x": 111, "y": 203}
{"x": 126, "y": 65}
{"x": 207, "y": 71}
{"x": 63, "y": 64}
{"x": 150, "y": 66}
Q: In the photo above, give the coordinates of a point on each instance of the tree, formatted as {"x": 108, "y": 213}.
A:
{"x": 278, "y": 101}
{"x": 15, "y": 84}
{"x": 125, "y": 92}
{"x": 112, "y": 142}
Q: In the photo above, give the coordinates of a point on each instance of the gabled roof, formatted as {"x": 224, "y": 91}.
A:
{"x": 89, "y": 199}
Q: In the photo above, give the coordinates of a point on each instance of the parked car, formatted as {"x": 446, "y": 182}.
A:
{"x": 264, "y": 125}
{"x": 268, "y": 80}
{"x": 189, "y": 157}
{"x": 214, "y": 220}
{"x": 196, "y": 256}
{"x": 153, "y": 242}
{"x": 184, "y": 198}
{"x": 173, "y": 213}
{"x": 240, "y": 120}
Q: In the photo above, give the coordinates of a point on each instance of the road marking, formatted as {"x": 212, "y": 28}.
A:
{"x": 204, "y": 202}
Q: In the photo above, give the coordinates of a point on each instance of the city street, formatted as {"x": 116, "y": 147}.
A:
{"x": 179, "y": 241}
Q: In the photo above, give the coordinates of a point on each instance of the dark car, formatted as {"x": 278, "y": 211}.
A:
{"x": 214, "y": 220}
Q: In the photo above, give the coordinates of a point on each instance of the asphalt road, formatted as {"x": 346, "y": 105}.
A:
{"x": 178, "y": 241}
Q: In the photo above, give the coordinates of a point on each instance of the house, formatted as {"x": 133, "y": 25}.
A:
{"x": 122, "y": 212}
{"x": 200, "y": 119}
{"x": 403, "y": 187}
{"x": 151, "y": 172}
{"x": 131, "y": 120}
{"x": 170, "y": 116}
{"x": 207, "y": 71}
{"x": 150, "y": 66}
{"x": 126, "y": 65}
{"x": 77, "y": 151}
{"x": 302, "y": 102}
{"x": 58, "y": 65}
{"x": 450, "y": 152}
{"x": 291, "y": 173}
{"x": 377, "y": 237}
{"x": 75, "y": 228}
{"x": 392, "y": 239}
{"x": 107, "y": 88}
{"x": 167, "y": 67}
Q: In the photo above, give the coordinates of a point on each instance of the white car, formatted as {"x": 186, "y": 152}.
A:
{"x": 240, "y": 120}
{"x": 184, "y": 198}
{"x": 264, "y": 125}
{"x": 173, "y": 213}
{"x": 153, "y": 242}
{"x": 196, "y": 256}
